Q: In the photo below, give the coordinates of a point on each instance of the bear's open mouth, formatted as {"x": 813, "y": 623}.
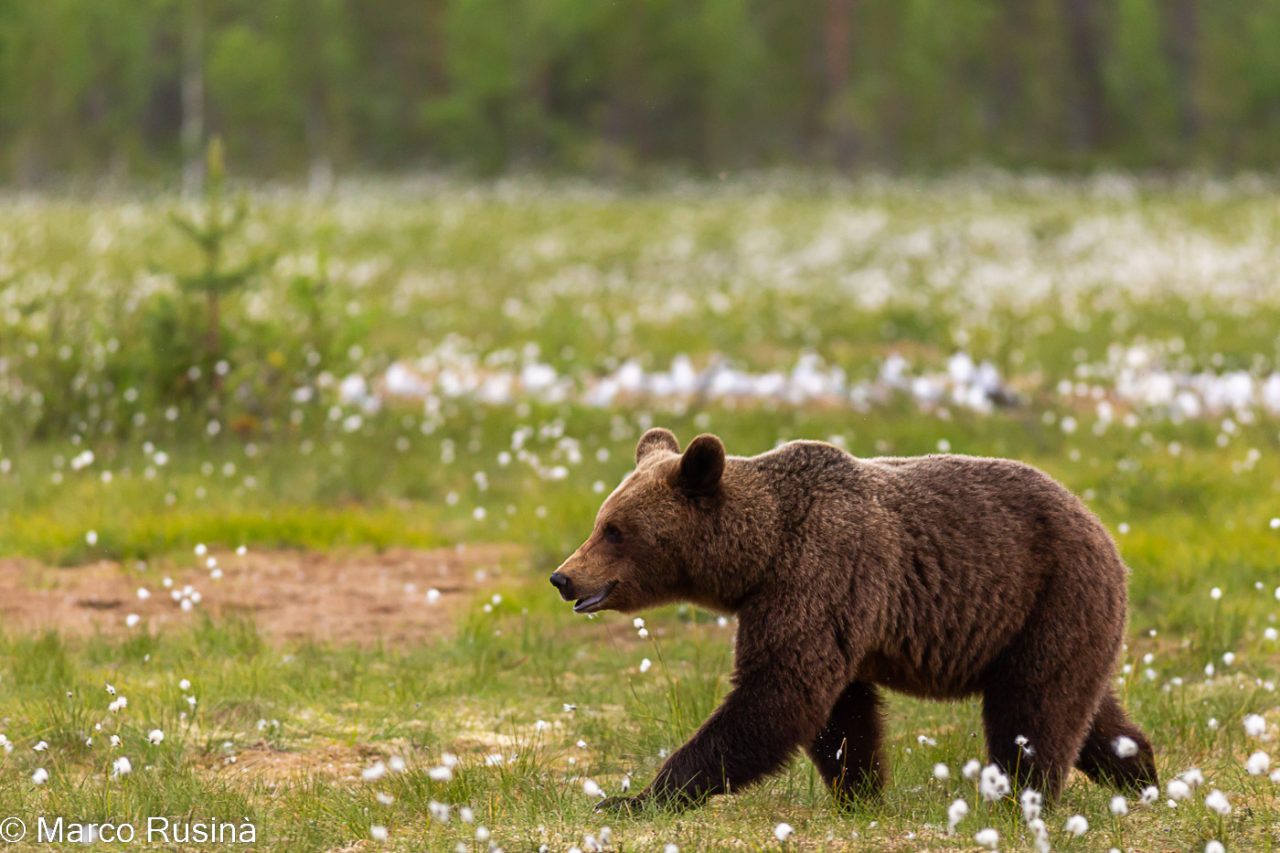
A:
{"x": 594, "y": 602}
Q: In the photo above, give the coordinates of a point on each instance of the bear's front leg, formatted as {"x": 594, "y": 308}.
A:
{"x": 781, "y": 699}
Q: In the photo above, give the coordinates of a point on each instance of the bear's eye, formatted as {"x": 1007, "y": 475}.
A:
{"x": 612, "y": 534}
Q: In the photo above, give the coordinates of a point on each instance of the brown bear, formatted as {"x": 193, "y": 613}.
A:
{"x": 939, "y": 576}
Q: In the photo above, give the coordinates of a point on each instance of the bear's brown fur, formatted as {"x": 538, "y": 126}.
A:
{"x": 938, "y": 576}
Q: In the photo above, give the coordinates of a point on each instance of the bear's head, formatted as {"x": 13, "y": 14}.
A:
{"x": 681, "y": 527}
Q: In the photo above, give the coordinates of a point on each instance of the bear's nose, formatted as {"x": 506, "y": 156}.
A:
{"x": 562, "y": 583}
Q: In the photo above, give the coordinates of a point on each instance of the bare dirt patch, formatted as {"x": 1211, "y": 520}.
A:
{"x": 342, "y": 597}
{"x": 262, "y": 763}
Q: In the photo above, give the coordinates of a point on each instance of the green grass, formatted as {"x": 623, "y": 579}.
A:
{"x": 592, "y": 279}
{"x": 482, "y": 692}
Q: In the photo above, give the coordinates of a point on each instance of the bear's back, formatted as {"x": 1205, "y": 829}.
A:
{"x": 956, "y": 551}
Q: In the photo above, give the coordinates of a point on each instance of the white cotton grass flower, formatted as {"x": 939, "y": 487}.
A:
{"x": 1217, "y": 803}
{"x": 1255, "y": 725}
{"x": 466, "y": 815}
{"x": 956, "y": 812}
{"x": 439, "y": 811}
{"x": 987, "y": 838}
{"x": 440, "y": 774}
{"x": 1119, "y": 806}
{"x": 374, "y": 772}
{"x": 993, "y": 784}
{"x": 1040, "y": 832}
{"x": 645, "y": 665}
{"x": 41, "y": 746}
{"x": 1032, "y": 804}
{"x": 1214, "y": 847}
{"x": 670, "y": 848}
{"x": 378, "y": 832}
{"x": 1258, "y": 764}
{"x": 1150, "y": 794}
{"x": 482, "y": 834}
{"x": 155, "y": 736}
{"x": 783, "y": 831}
{"x": 971, "y": 769}
{"x": 941, "y": 772}
{"x": 122, "y": 766}
{"x": 40, "y": 776}
{"x": 1178, "y": 790}
{"x": 1076, "y": 825}
{"x": 1125, "y": 747}
{"x": 132, "y": 620}
{"x": 591, "y": 789}
{"x": 384, "y": 798}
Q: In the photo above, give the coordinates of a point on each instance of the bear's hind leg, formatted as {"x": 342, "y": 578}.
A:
{"x": 847, "y": 750}
{"x": 1130, "y": 766}
{"x": 1037, "y": 707}
{"x": 1029, "y": 739}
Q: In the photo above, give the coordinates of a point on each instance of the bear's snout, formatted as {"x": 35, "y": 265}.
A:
{"x": 562, "y": 582}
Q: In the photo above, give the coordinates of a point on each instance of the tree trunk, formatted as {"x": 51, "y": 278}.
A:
{"x": 1087, "y": 94}
{"x": 192, "y": 97}
{"x": 320, "y": 173}
{"x": 837, "y": 43}
{"x": 1008, "y": 88}
{"x": 213, "y": 335}
{"x": 1179, "y": 30}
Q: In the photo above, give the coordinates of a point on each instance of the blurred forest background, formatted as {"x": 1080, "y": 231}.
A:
{"x": 303, "y": 89}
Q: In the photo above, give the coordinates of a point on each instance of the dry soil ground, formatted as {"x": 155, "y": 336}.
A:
{"x": 352, "y": 597}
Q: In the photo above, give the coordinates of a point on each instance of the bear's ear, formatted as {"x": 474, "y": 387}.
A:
{"x": 656, "y": 439}
{"x": 702, "y": 465}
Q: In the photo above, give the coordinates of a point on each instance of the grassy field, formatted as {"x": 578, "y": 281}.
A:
{"x": 432, "y": 364}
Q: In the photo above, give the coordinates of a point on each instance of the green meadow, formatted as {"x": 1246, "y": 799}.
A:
{"x": 434, "y": 364}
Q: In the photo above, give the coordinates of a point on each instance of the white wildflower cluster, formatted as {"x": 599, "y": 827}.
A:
{"x": 448, "y": 373}
{"x": 993, "y": 784}
{"x": 438, "y": 811}
{"x": 1032, "y": 803}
